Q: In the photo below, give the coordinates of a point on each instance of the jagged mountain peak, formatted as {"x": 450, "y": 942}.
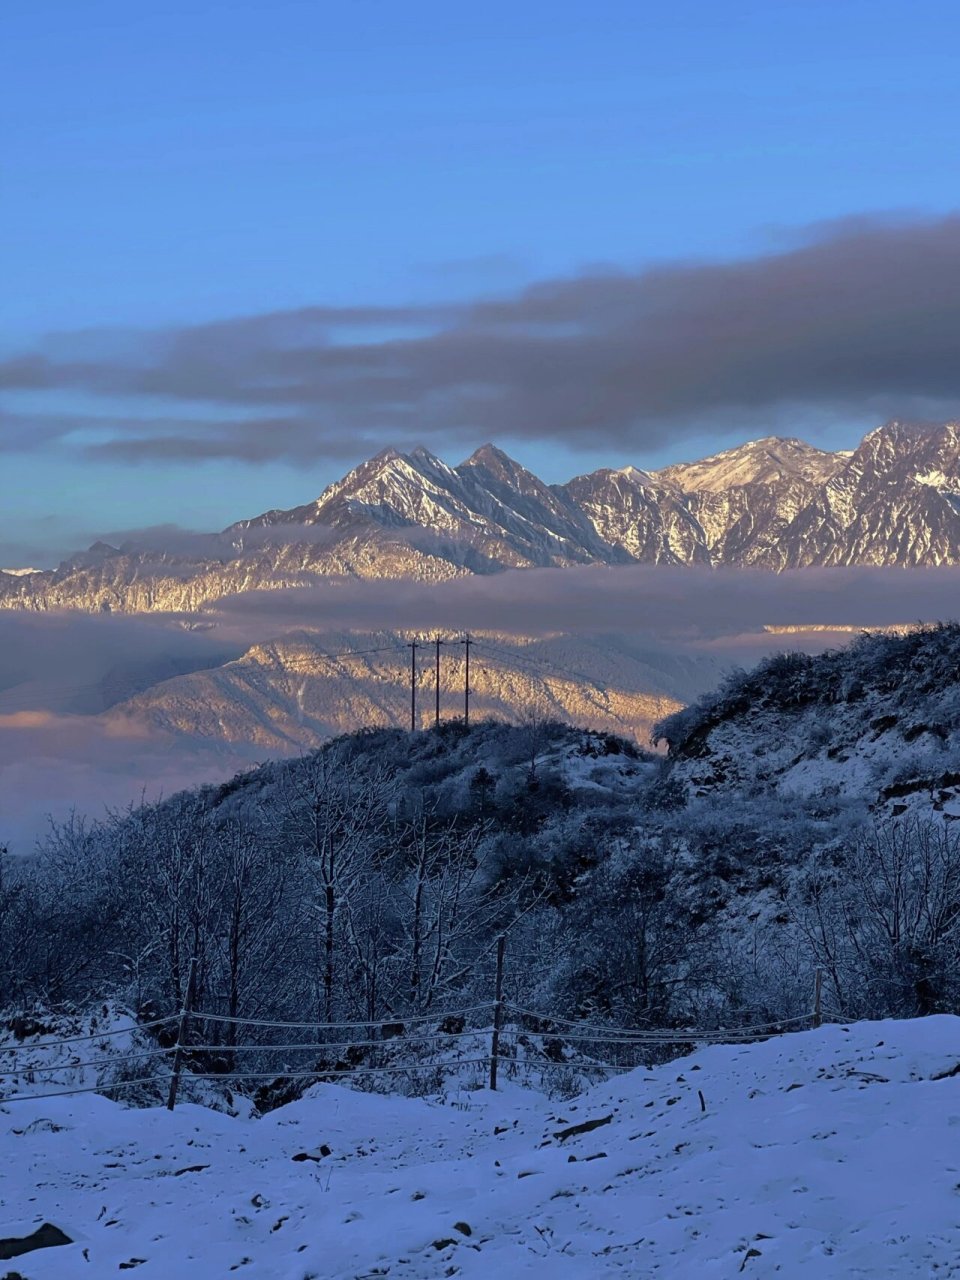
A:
{"x": 489, "y": 455}
{"x": 899, "y": 455}
{"x": 630, "y": 472}
{"x": 364, "y": 485}
{"x": 387, "y": 454}
{"x": 484, "y": 454}
{"x": 423, "y": 457}
{"x": 95, "y": 554}
{"x": 915, "y": 432}
{"x": 389, "y": 471}
{"x": 386, "y": 461}
{"x": 769, "y": 460}
{"x": 495, "y": 462}
{"x": 903, "y": 438}
{"x": 616, "y": 475}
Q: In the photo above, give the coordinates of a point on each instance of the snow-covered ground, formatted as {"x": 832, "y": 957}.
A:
{"x": 824, "y": 1154}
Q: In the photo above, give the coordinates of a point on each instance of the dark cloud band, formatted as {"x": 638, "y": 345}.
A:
{"x": 859, "y": 319}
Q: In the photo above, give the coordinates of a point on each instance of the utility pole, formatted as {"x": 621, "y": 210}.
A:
{"x": 439, "y": 643}
{"x": 817, "y": 997}
{"x": 466, "y": 679}
{"x": 497, "y": 1013}
{"x": 182, "y": 1032}
{"x": 413, "y": 647}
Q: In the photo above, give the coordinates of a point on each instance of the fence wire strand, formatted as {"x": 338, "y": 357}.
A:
{"x": 319, "y": 1046}
{"x": 98, "y": 1035}
{"x": 653, "y": 1036}
{"x": 89, "y": 1088}
{"x": 320, "y": 1076}
{"x": 82, "y": 1066}
{"x": 399, "y": 1020}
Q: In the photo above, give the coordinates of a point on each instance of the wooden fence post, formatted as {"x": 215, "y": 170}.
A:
{"x": 497, "y": 1012}
{"x": 182, "y": 1027}
{"x": 817, "y": 992}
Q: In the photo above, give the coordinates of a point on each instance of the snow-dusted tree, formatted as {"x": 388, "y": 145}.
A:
{"x": 373, "y": 970}
{"x": 448, "y": 906}
{"x": 535, "y": 722}
{"x": 78, "y": 914}
{"x": 337, "y": 819}
{"x": 632, "y": 952}
{"x": 255, "y": 944}
{"x": 186, "y": 892}
{"x": 883, "y": 919}
{"x": 16, "y": 933}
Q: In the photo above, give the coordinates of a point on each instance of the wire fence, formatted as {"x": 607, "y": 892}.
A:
{"x": 96, "y": 1035}
{"x": 521, "y": 1040}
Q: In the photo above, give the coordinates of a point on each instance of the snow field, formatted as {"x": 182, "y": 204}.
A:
{"x": 827, "y": 1154}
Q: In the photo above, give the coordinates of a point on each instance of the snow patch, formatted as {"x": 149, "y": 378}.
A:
{"x": 828, "y": 1153}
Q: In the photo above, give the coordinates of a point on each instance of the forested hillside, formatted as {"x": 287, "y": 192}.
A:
{"x": 802, "y": 818}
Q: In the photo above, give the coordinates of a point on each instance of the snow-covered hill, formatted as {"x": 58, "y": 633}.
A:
{"x": 827, "y": 1154}
{"x": 876, "y": 723}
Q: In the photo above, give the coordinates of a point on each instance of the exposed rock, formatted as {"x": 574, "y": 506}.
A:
{"x": 586, "y": 1126}
{"x": 46, "y": 1236}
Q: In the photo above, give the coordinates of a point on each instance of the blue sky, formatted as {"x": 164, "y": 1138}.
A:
{"x": 172, "y": 164}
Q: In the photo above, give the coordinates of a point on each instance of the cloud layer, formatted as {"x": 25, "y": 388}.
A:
{"x": 57, "y": 671}
{"x": 695, "y": 605}
{"x": 857, "y": 319}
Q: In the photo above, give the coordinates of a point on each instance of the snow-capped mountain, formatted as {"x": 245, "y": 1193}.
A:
{"x": 771, "y": 503}
{"x": 490, "y": 505}
{"x": 768, "y": 461}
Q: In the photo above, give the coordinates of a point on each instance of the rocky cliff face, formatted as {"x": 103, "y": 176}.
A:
{"x": 772, "y": 503}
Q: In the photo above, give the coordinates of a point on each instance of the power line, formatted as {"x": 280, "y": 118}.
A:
{"x": 521, "y": 657}
{"x": 357, "y": 653}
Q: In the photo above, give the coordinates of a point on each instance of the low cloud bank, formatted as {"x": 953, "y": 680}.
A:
{"x": 53, "y": 764}
{"x": 697, "y": 604}
{"x": 57, "y": 671}
{"x": 83, "y": 663}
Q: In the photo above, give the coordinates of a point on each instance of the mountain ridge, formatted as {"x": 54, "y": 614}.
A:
{"x": 773, "y": 503}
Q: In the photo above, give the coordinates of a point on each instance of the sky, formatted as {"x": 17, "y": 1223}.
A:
{"x": 245, "y": 245}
